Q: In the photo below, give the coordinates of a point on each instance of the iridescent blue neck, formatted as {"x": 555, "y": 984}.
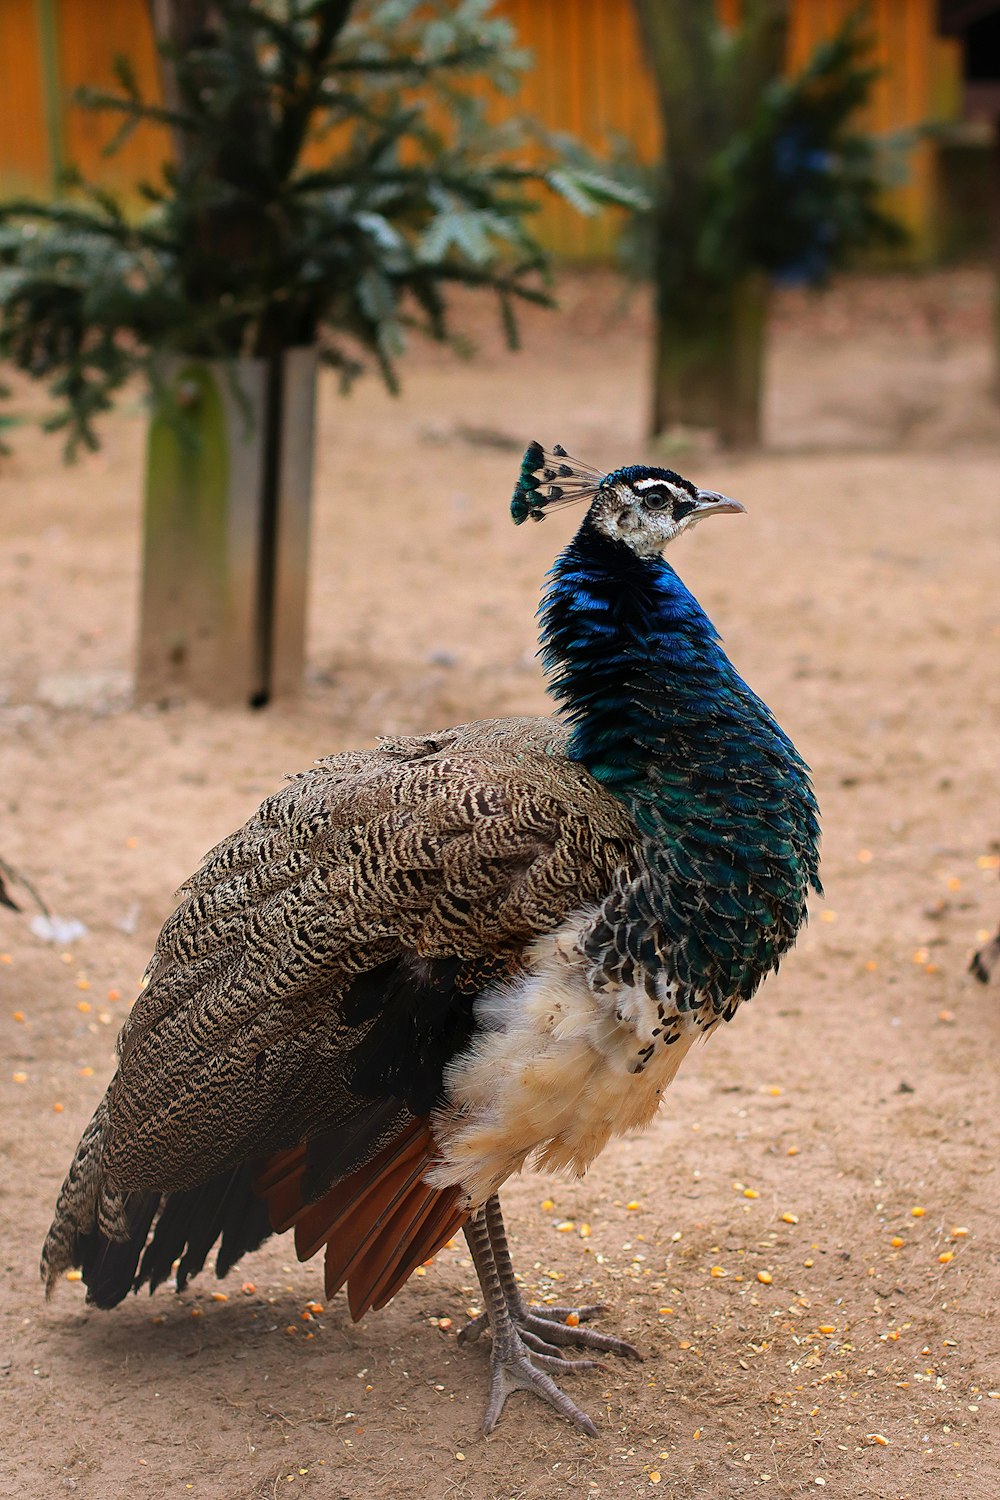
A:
{"x": 658, "y": 711}
{"x": 633, "y": 659}
{"x": 661, "y": 718}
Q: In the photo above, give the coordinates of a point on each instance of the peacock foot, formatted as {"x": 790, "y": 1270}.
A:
{"x": 528, "y": 1342}
{"x": 517, "y": 1366}
{"x": 548, "y": 1329}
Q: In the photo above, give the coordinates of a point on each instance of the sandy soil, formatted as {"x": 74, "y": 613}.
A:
{"x": 839, "y": 1138}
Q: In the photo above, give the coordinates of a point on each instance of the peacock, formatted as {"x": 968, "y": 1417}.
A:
{"x": 420, "y": 967}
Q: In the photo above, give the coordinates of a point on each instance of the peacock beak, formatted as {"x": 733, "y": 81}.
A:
{"x": 712, "y": 503}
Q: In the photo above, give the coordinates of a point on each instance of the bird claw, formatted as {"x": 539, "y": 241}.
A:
{"x": 528, "y": 1341}
{"x": 566, "y": 1335}
{"x": 544, "y": 1328}
{"x": 560, "y": 1314}
{"x": 469, "y": 1332}
{"x": 512, "y": 1368}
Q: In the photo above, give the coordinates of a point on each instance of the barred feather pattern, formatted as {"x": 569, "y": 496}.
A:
{"x": 463, "y": 847}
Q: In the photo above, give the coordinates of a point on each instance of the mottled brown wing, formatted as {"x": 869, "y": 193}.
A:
{"x": 463, "y": 846}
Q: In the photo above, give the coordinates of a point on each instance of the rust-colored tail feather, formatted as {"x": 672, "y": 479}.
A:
{"x": 280, "y": 1182}
{"x": 443, "y": 1218}
{"x": 378, "y": 1225}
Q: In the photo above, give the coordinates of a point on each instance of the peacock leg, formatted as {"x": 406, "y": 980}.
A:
{"x": 513, "y": 1366}
{"x": 542, "y": 1328}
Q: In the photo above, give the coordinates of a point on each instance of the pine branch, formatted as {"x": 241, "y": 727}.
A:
{"x": 248, "y": 245}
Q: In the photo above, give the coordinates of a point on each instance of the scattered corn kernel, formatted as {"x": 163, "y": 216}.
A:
{"x": 750, "y": 1193}
{"x": 74, "y": 1275}
{"x": 946, "y": 1015}
{"x": 565, "y": 1226}
{"x": 572, "y": 1320}
{"x": 946, "y": 1256}
{"x": 220, "y": 1296}
{"x": 774, "y": 1091}
{"x": 585, "y": 1231}
{"x": 654, "y": 1476}
{"x": 765, "y": 1277}
{"x": 864, "y": 856}
{"x": 546, "y": 1205}
{"x": 877, "y": 1437}
{"x": 828, "y": 916}
{"x": 918, "y": 1212}
{"x": 789, "y": 1218}
{"x": 871, "y": 964}
{"x": 84, "y": 1007}
{"x": 114, "y": 994}
{"x": 248, "y": 1288}
{"x": 665, "y": 1312}
{"x": 86, "y": 1072}
{"x": 19, "y": 1015}
{"x": 792, "y": 1151}
{"x": 634, "y": 1204}
{"x": 19, "y": 1077}
{"x": 897, "y": 1242}
{"x": 58, "y": 1107}
{"x": 828, "y": 1328}
{"x": 716, "y": 1271}
{"x": 959, "y": 1232}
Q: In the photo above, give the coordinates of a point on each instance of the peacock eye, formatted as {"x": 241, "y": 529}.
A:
{"x": 657, "y": 499}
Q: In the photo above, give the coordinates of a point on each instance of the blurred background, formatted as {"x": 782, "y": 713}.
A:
{"x": 938, "y": 61}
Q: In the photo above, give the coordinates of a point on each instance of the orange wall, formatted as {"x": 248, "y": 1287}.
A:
{"x": 24, "y": 153}
{"x": 588, "y": 78}
{"x": 91, "y": 34}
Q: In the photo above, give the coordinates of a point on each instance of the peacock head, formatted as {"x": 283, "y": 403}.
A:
{"x": 643, "y": 507}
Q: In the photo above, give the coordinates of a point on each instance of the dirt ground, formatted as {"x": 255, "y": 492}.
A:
{"x": 840, "y": 1139}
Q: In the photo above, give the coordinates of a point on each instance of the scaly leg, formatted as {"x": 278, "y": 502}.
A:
{"x": 512, "y": 1365}
{"x": 541, "y": 1328}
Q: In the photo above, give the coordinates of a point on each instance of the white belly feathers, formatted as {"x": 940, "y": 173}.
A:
{"x": 555, "y": 1070}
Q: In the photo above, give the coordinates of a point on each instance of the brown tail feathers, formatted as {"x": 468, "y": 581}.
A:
{"x": 378, "y": 1225}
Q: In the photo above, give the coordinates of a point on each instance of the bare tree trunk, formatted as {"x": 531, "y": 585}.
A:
{"x": 709, "y": 361}
{"x": 709, "y": 339}
{"x": 226, "y": 531}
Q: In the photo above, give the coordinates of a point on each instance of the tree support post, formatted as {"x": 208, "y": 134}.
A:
{"x": 226, "y": 531}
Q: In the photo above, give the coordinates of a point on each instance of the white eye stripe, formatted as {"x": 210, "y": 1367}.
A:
{"x": 647, "y": 484}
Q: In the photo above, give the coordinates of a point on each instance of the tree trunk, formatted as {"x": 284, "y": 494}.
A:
{"x": 229, "y": 474}
{"x": 709, "y": 339}
{"x": 226, "y": 530}
{"x": 709, "y": 362}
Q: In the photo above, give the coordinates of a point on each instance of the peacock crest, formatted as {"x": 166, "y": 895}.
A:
{"x": 549, "y": 477}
